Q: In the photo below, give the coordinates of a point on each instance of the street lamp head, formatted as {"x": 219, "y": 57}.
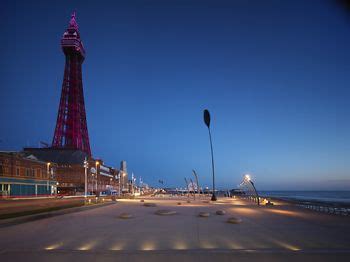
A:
{"x": 207, "y": 118}
{"x": 247, "y": 177}
{"x": 97, "y": 163}
{"x": 48, "y": 163}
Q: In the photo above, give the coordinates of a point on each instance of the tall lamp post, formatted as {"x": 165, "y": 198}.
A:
{"x": 194, "y": 191}
{"x": 132, "y": 184}
{"x": 249, "y": 180}
{"x": 96, "y": 165}
{"x": 48, "y": 176}
{"x": 119, "y": 175}
{"x": 123, "y": 174}
{"x": 207, "y": 122}
{"x": 188, "y": 188}
{"x": 198, "y": 187}
{"x": 86, "y": 166}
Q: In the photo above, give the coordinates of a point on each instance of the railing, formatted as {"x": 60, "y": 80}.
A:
{"x": 330, "y": 209}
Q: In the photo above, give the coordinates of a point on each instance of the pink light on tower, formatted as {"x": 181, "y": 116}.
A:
{"x": 71, "y": 127}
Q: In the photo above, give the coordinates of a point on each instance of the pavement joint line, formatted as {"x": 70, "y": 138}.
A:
{"x": 170, "y": 251}
{"x": 24, "y": 219}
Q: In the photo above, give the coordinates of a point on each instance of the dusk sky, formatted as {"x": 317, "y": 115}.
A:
{"x": 274, "y": 74}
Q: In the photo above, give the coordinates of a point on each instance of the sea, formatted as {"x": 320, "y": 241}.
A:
{"x": 319, "y": 196}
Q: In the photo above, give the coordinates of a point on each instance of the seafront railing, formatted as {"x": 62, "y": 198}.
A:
{"x": 330, "y": 209}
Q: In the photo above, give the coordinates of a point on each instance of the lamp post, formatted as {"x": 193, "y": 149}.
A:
{"x": 132, "y": 184}
{"x": 194, "y": 191}
{"x": 207, "y": 123}
{"x": 198, "y": 187}
{"x": 122, "y": 180}
{"x": 188, "y": 188}
{"x": 92, "y": 183}
{"x": 249, "y": 180}
{"x": 48, "y": 175}
{"x": 119, "y": 181}
{"x": 96, "y": 165}
{"x": 86, "y": 166}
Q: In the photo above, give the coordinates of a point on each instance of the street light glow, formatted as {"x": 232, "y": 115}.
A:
{"x": 247, "y": 177}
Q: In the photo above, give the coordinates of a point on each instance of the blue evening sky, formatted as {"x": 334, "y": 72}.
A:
{"x": 274, "y": 74}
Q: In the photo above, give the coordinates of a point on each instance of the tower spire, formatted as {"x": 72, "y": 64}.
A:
{"x": 73, "y": 22}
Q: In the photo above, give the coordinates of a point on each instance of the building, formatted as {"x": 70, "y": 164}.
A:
{"x": 70, "y": 171}
{"x": 123, "y": 174}
{"x": 107, "y": 178}
{"x": 25, "y": 175}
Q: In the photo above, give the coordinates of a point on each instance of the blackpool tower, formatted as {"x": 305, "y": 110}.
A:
{"x": 71, "y": 128}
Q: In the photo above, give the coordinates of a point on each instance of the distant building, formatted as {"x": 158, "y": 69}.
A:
{"x": 124, "y": 176}
{"x": 70, "y": 171}
{"x": 25, "y": 175}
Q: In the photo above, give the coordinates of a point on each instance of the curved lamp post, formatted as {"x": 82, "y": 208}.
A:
{"x": 188, "y": 188}
{"x": 248, "y": 179}
{"x": 194, "y": 192}
{"x": 196, "y": 176}
{"x": 207, "y": 122}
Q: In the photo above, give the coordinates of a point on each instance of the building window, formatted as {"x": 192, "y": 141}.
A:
{"x": 33, "y": 172}
{"x": 17, "y": 171}
{"x": 1, "y": 170}
{"x": 27, "y": 172}
{"x": 38, "y": 172}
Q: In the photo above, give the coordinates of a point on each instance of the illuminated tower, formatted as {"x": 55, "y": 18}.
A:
{"x": 71, "y": 128}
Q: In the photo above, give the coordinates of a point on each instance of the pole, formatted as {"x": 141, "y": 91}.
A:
{"x": 194, "y": 191}
{"x": 119, "y": 182}
{"x": 198, "y": 187}
{"x": 96, "y": 164}
{"x": 48, "y": 174}
{"x": 85, "y": 184}
{"x": 213, "y": 197}
{"x": 123, "y": 182}
{"x": 188, "y": 189}
{"x": 132, "y": 183}
{"x": 86, "y": 172}
{"x": 256, "y": 192}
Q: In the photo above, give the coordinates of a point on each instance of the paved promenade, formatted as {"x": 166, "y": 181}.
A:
{"x": 277, "y": 233}
{"x": 9, "y": 206}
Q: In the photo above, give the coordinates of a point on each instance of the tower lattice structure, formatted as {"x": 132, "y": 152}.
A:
{"x": 71, "y": 128}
